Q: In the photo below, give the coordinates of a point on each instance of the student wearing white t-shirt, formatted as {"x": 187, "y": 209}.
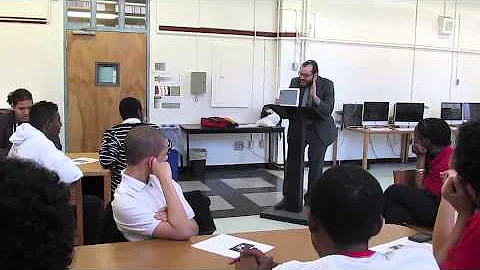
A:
{"x": 345, "y": 212}
{"x": 148, "y": 203}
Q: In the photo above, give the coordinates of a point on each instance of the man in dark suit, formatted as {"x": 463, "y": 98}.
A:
{"x": 318, "y": 93}
{"x": 21, "y": 101}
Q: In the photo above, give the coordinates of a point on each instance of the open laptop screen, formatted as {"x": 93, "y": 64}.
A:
{"x": 288, "y": 97}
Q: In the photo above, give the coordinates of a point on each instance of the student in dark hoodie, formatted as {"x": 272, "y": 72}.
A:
{"x": 21, "y": 101}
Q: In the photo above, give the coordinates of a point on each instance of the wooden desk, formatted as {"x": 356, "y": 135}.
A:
{"x": 289, "y": 245}
{"x": 95, "y": 169}
{"x": 190, "y": 129}
{"x": 366, "y": 132}
{"x": 76, "y": 197}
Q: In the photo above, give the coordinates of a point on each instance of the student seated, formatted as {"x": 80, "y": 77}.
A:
{"x": 418, "y": 205}
{"x": 456, "y": 244}
{"x": 31, "y": 141}
{"x": 148, "y": 202}
{"x": 21, "y": 101}
{"x": 345, "y": 212}
{"x": 113, "y": 149}
{"x": 37, "y": 221}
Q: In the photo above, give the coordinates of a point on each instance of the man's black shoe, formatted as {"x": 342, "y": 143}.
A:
{"x": 281, "y": 205}
{"x": 306, "y": 198}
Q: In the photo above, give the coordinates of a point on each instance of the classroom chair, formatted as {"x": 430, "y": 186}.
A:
{"x": 404, "y": 178}
{"x": 111, "y": 234}
{"x": 201, "y": 207}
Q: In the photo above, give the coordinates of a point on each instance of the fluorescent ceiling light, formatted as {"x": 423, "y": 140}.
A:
{"x": 107, "y": 16}
{"x": 135, "y": 4}
{"x": 107, "y": 2}
{"x": 79, "y": 14}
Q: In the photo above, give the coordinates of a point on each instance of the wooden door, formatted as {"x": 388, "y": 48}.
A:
{"x": 93, "y": 108}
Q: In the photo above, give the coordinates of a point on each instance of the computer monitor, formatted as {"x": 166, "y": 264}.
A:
{"x": 352, "y": 115}
{"x": 451, "y": 112}
{"x": 471, "y": 111}
{"x": 375, "y": 113}
{"x": 408, "y": 114}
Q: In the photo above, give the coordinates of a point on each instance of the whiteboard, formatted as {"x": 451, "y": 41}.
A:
{"x": 364, "y": 73}
{"x": 469, "y": 81}
{"x": 432, "y": 80}
{"x": 389, "y": 21}
{"x": 232, "y": 74}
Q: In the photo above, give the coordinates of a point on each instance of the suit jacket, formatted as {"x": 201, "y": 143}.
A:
{"x": 7, "y": 123}
{"x": 324, "y": 127}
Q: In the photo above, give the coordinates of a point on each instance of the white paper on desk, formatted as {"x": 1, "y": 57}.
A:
{"x": 222, "y": 245}
{"x": 398, "y": 244}
{"x": 247, "y": 125}
{"x": 83, "y": 160}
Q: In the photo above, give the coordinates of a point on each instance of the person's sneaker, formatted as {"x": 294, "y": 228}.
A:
{"x": 281, "y": 205}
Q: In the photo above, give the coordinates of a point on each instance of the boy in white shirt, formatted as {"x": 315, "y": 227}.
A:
{"x": 31, "y": 141}
{"x": 345, "y": 212}
{"x": 35, "y": 141}
{"x": 148, "y": 203}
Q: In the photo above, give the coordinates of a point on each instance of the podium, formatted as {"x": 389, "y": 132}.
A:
{"x": 294, "y": 169}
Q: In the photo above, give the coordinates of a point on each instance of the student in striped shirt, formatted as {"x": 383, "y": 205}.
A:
{"x": 113, "y": 148}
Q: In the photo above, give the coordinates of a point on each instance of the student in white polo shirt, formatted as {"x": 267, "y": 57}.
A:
{"x": 148, "y": 203}
{"x": 345, "y": 212}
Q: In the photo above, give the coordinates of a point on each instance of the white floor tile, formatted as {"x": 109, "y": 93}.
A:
{"x": 254, "y": 182}
{"x": 219, "y": 203}
{"x": 265, "y": 198}
{"x": 193, "y": 185}
{"x": 251, "y": 224}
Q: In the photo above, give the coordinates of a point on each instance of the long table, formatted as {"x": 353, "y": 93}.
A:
{"x": 190, "y": 129}
{"x": 95, "y": 169}
{"x": 294, "y": 244}
{"x": 367, "y": 132}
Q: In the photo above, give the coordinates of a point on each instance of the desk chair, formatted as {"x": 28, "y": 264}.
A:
{"x": 76, "y": 200}
{"x": 404, "y": 178}
{"x": 201, "y": 207}
{"x": 111, "y": 234}
{"x": 407, "y": 178}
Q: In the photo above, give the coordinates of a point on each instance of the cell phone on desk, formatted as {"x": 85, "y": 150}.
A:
{"x": 420, "y": 237}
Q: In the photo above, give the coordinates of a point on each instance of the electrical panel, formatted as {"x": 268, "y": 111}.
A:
{"x": 198, "y": 83}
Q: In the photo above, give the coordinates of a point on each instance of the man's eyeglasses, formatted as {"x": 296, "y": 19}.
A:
{"x": 304, "y": 75}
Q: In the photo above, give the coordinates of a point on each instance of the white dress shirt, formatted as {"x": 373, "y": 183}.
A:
{"x": 136, "y": 203}
{"x": 402, "y": 258}
{"x": 132, "y": 121}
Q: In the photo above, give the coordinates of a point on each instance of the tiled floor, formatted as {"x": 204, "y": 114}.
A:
{"x": 265, "y": 198}
{"x": 238, "y": 196}
{"x": 255, "y": 182}
{"x": 218, "y": 203}
{"x": 193, "y": 185}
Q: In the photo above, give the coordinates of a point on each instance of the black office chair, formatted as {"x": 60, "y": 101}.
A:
{"x": 201, "y": 207}
{"x": 111, "y": 234}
